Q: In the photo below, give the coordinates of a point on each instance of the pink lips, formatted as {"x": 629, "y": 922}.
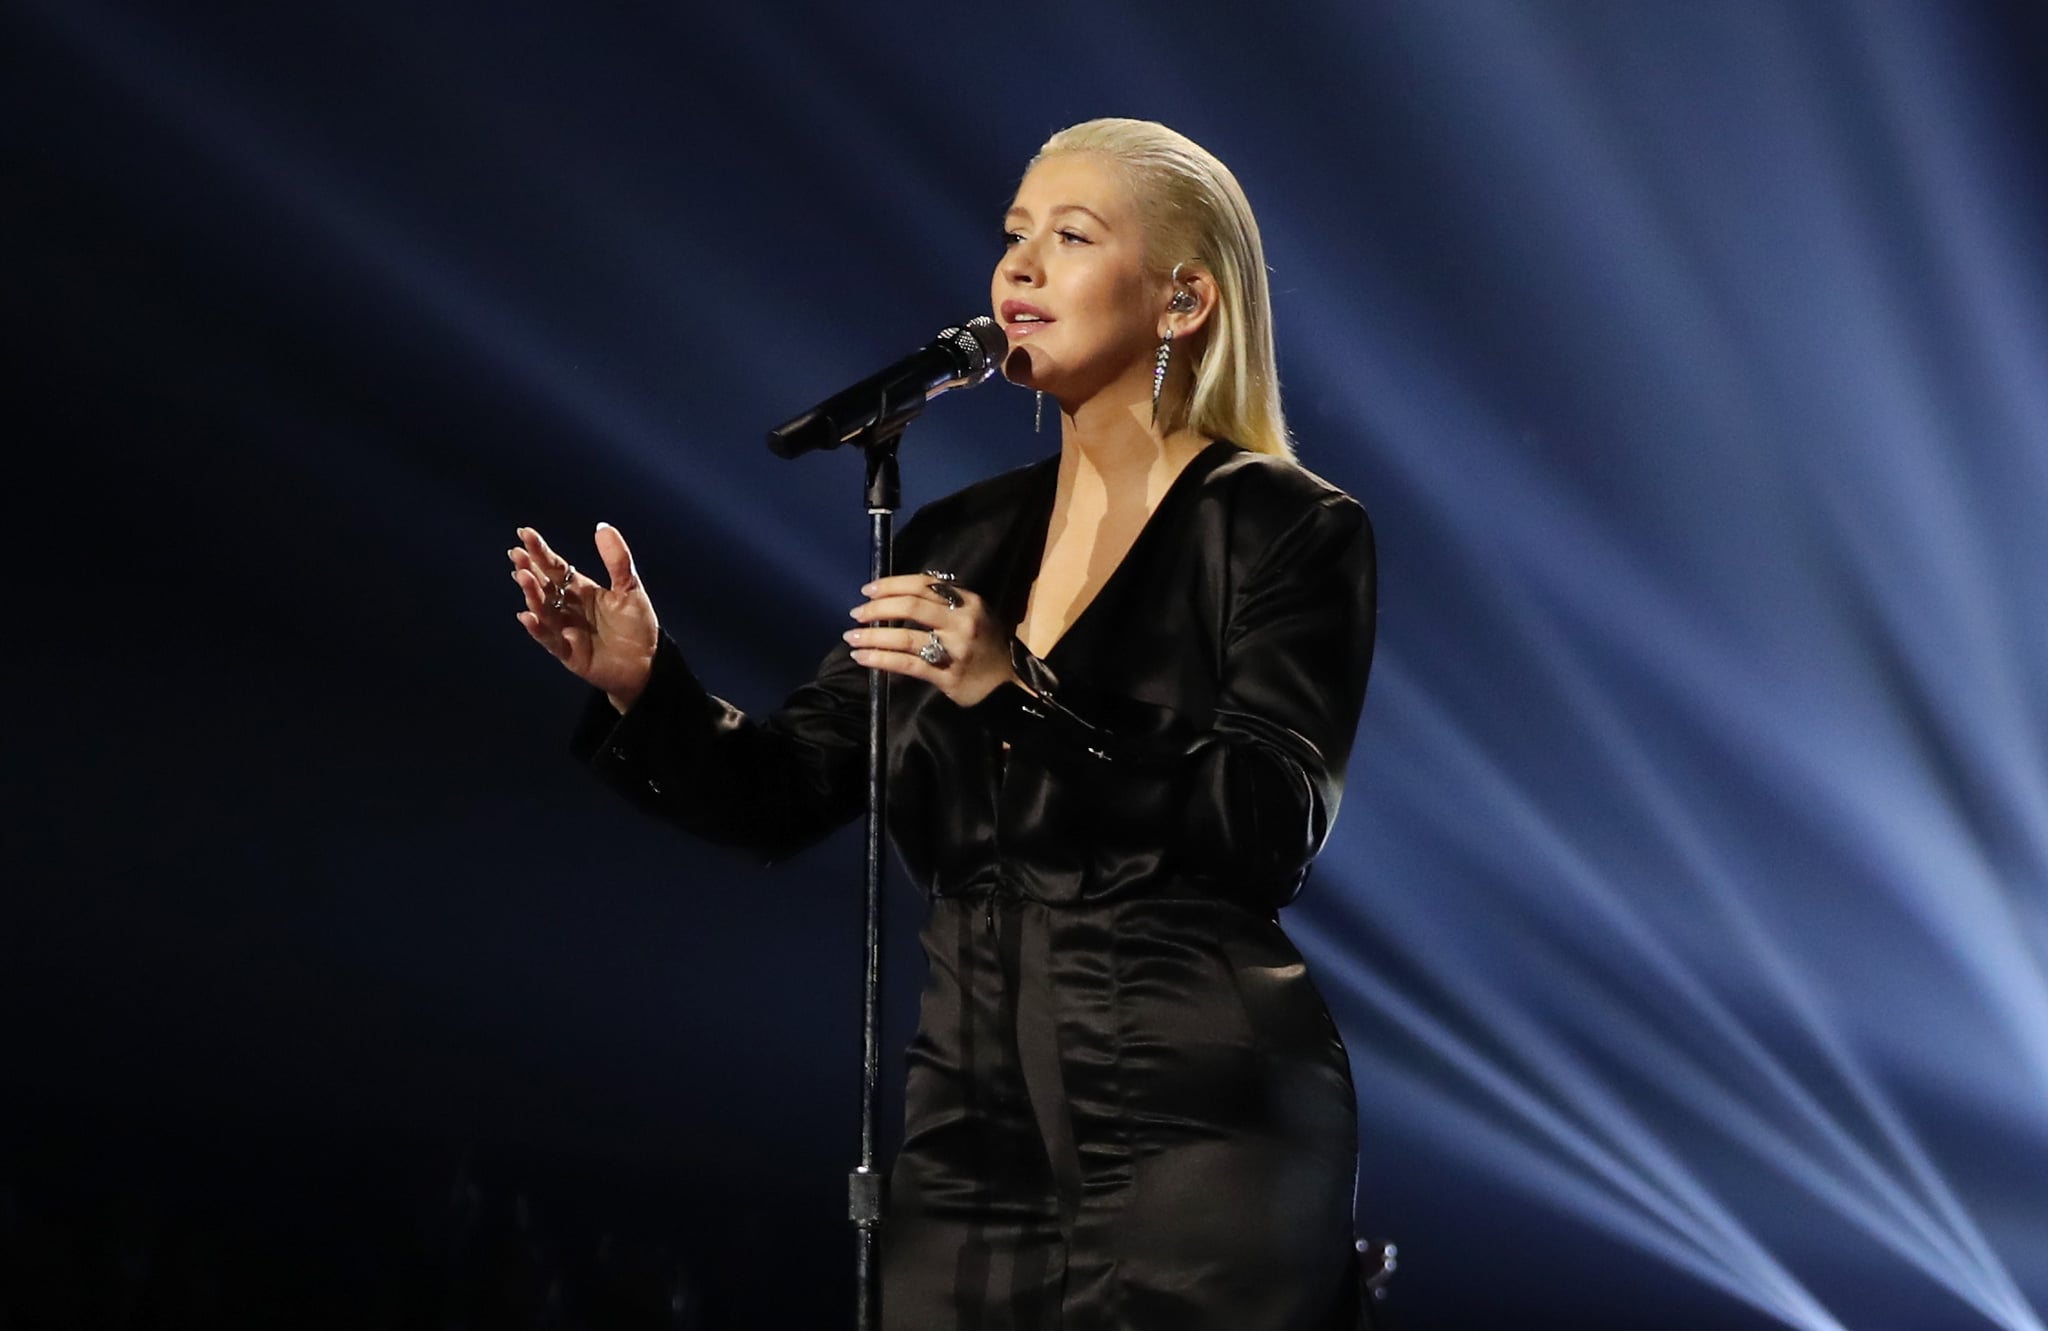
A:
{"x": 1014, "y": 310}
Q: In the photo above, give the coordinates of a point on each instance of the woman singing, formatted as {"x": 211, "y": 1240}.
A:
{"x": 1128, "y": 685}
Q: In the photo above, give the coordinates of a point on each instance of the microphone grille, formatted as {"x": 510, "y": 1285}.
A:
{"x": 994, "y": 345}
{"x": 979, "y": 342}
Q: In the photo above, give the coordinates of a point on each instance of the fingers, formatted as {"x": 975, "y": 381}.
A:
{"x": 540, "y": 573}
{"x": 556, "y": 643}
{"x": 557, "y": 583}
{"x": 618, "y": 558}
{"x": 908, "y": 664}
{"x": 929, "y": 611}
{"x": 540, "y": 619}
{"x": 914, "y": 584}
{"x": 522, "y": 560}
{"x": 544, "y": 562}
{"x": 917, "y": 597}
{"x": 887, "y": 640}
{"x": 971, "y": 647}
{"x": 529, "y": 585}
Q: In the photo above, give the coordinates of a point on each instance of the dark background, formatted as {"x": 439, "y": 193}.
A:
{"x": 1688, "y": 915}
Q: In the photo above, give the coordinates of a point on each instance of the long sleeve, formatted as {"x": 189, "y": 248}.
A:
{"x": 770, "y": 786}
{"x": 1246, "y": 794}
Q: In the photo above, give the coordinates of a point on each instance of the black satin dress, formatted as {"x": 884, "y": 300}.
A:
{"x": 1127, "y": 1105}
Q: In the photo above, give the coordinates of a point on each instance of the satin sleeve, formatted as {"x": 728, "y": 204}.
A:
{"x": 1247, "y": 794}
{"x": 768, "y": 786}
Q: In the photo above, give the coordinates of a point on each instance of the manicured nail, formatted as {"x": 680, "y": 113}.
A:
{"x": 851, "y": 635}
{"x": 868, "y": 590}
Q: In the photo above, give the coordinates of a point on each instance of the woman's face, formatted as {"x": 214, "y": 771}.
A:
{"x": 1071, "y": 290}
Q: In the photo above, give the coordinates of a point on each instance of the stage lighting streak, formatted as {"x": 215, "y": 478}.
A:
{"x": 1679, "y": 1186}
{"x": 1671, "y": 646}
{"x": 809, "y": 96}
{"x": 1940, "y": 878}
{"x": 1469, "y": 1132}
{"x": 1987, "y": 1286}
{"x": 1535, "y": 537}
{"x": 1577, "y": 874}
{"x": 1974, "y": 245}
{"x": 1954, "y": 1253}
{"x": 1558, "y": 166}
{"x": 1675, "y": 1216}
{"x": 1722, "y": 1109}
{"x": 1967, "y": 170}
{"x": 811, "y": 354}
{"x": 1715, "y": 1105}
{"x": 496, "y": 330}
{"x": 1944, "y": 642}
{"x": 1668, "y": 807}
{"x": 1991, "y": 1289}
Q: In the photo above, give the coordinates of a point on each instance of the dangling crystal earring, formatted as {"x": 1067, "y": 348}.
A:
{"x": 1038, "y": 412}
{"x": 1159, "y": 372}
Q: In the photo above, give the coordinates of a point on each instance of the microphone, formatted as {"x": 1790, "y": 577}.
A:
{"x": 959, "y": 357}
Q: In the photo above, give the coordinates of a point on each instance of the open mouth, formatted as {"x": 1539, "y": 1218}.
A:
{"x": 1021, "y": 319}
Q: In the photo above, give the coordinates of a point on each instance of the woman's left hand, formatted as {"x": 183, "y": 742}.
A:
{"x": 972, "y": 650}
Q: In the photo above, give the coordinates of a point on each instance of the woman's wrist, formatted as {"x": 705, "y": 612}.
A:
{"x": 622, "y": 696}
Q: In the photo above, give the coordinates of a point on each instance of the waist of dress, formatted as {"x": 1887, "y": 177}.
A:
{"x": 1175, "y": 892}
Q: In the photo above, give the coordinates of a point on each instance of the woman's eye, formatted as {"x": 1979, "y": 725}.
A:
{"x": 1012, "y": 238}
{"x": 1073, "y": 237}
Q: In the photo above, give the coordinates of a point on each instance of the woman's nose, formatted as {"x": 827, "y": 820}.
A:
{"x": 1020, "y": 264}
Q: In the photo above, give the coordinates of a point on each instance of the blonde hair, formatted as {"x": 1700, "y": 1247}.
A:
{"x": 1193, "y": 208}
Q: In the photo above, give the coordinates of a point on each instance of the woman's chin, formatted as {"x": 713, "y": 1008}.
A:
{"x": 1018, "y": 369}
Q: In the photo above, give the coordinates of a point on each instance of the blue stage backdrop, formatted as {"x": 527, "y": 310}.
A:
{"x": 1688, "y": 914}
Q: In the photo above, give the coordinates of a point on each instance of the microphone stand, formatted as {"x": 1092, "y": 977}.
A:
{"x": 883, "y": 492}
{"x": 899, "y": 400}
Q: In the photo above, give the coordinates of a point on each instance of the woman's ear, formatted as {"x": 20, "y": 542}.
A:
{"x": 1191, "y": 300}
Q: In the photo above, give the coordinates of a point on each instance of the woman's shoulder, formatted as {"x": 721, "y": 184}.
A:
{"x": 1265, "y": 493}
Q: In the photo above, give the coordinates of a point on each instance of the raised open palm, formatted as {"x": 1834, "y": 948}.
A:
{"x": 604, "y": 635}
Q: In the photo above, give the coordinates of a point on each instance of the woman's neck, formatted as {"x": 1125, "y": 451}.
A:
{"x": 1114, "y": 469}
{"x": 1110, "y": 445}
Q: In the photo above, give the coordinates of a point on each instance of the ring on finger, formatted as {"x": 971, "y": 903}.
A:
{"x": 934, "y": 652}
{"x": 946, "y": 592}
{"x": 562, "y": 592}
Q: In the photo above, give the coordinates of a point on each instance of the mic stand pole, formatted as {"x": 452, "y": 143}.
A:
{"x": 864, "y": 1184}
{"x": 898, "y": 404}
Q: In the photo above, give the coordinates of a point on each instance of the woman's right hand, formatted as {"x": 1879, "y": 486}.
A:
{"x": 606, "y": 636}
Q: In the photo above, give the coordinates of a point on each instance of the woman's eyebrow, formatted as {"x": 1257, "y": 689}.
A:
{"x": 1024, "y": 214}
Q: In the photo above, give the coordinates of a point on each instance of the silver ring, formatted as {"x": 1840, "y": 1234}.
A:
{"x": 562, "y": 592}
{"x": 937, "y": 576}
{"x": 934, "y": 652}
{"x": 945, "y": 592}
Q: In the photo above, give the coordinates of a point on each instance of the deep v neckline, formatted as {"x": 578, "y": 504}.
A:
{"x": 1031, "y": 554}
